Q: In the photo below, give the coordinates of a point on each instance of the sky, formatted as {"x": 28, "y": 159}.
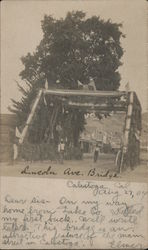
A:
{"x": 21, "y": 33}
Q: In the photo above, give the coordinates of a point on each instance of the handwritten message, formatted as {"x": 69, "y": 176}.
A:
{"x": 56, "y": 213}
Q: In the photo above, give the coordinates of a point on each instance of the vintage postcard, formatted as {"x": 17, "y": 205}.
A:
{"x": 74, "y": 124}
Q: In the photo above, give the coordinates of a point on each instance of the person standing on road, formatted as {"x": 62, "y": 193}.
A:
{"x": 61, "y": 148}
{"x": 96, "y": 152}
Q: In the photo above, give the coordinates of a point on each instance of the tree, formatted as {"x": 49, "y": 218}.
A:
{"x": 73, "y": 48}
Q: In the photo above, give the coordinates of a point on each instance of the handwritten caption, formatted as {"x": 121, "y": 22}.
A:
{"x": 73, "y": 214}
{"x": 93, "y": 172}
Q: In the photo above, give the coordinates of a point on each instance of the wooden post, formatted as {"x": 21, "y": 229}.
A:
{"x": 30, "y": 117}
{"x": 127, "y": 128}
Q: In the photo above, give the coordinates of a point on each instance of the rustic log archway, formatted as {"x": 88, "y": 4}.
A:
{"x": 101, "y": 101}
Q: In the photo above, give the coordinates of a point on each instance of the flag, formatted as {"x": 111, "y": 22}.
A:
{"x": 80, "y": 84}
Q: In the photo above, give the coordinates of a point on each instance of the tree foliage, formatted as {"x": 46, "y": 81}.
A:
{"x": 72, "y": 48}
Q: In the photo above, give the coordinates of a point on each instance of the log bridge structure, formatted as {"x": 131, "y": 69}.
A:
{"x": 101, "y": 102}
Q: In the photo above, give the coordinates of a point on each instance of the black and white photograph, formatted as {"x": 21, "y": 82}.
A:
{"x": 74, "y": 118}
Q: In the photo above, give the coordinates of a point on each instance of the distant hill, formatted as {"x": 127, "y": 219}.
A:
{"x": 111, "y": 124}
{"x": 114, "y": 124}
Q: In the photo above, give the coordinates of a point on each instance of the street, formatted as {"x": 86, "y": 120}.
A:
{"x": 103, "y": 169}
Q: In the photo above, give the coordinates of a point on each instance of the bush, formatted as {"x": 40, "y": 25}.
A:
{"x": 36, "y": 152}
{"x": 74, "y": 153}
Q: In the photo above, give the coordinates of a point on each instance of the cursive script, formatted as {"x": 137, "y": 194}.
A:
{"x": 28, "y": 171}
{"x": 49, "y": 213}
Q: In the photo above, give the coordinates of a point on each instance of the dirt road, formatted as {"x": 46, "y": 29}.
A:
{"x": 104, "y": 169}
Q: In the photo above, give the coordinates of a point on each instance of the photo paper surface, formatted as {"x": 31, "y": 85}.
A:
{"x": 74, "y": 124}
